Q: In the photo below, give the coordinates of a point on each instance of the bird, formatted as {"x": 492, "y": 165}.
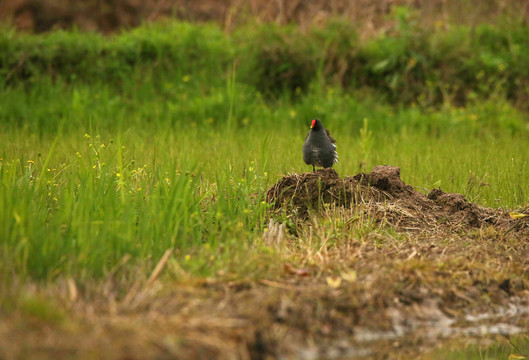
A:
{"x": 319, "y": 148}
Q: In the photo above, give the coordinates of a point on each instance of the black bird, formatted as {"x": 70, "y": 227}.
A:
{"x": 319, "y": 148}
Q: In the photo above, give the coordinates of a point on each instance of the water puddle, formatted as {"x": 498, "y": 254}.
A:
{"x": 425, "y": 322}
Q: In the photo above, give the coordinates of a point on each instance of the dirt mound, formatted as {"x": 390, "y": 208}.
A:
{"x": 311, "y": 190}
{"x": 387, "y": 198}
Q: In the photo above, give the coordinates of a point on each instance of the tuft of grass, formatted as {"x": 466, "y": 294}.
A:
{"x": 40, "y": 310}
{"x": 516, "y": 347}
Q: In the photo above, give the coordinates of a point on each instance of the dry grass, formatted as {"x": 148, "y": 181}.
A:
{"x": 352, "y": 287}
{"x": 371, "y": 16}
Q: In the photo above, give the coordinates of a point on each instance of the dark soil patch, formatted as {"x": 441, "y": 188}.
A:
{"x": 387, "y": 197}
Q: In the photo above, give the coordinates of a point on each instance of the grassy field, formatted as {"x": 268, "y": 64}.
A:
{"x": 111, "y": 168}
{"x": 123, "y": 184}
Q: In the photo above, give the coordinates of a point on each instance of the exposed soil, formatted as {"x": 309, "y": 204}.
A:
{"x": 388, "y": 198}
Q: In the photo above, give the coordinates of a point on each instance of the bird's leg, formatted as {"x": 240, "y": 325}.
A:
{"x": 313, "y": 168}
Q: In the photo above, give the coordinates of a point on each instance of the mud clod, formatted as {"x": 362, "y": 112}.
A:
{"x": 387, "y": 179}
{"x": 302, "y": 192}
{"x": 383, "y": 192}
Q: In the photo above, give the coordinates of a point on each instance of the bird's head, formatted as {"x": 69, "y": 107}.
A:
{"x": 316, "y": 124}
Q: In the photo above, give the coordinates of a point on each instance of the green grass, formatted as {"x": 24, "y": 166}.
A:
{"x": 516, "y": 347}
{"x": 113, "y": 184}
{"x": 115, "y": 150}
{"x": 408, "y": 63}
{"x": 159, "y": 139}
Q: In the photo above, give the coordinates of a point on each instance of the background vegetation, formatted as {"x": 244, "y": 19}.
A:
{"x": 408, "y": 63}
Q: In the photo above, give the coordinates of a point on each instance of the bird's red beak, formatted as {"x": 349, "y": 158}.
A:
{"x": 313, "y": 123}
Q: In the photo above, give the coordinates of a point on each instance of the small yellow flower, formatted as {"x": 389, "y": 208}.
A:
{"x": 251, "y": 169}
{"x": 349, "y": 276}
{"x": 102, "y": 146}
{"x": 118, "y": 174}
{"x": 334, "y": 282}
{"x": 87, "y": 136}
{"x": 517, "y": 215}
{"x": 211, "y": 258}
{"x": 188, "y": 257}
{"x": 31, "y": 162}
{"x": 78, "y": 154}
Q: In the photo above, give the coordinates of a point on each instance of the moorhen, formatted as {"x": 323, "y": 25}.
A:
{"x": 319, "y": 148}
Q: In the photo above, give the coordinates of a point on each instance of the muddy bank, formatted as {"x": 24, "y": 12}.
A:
{"x": 388, "y": 198}
{"x": 456, "y": 270}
